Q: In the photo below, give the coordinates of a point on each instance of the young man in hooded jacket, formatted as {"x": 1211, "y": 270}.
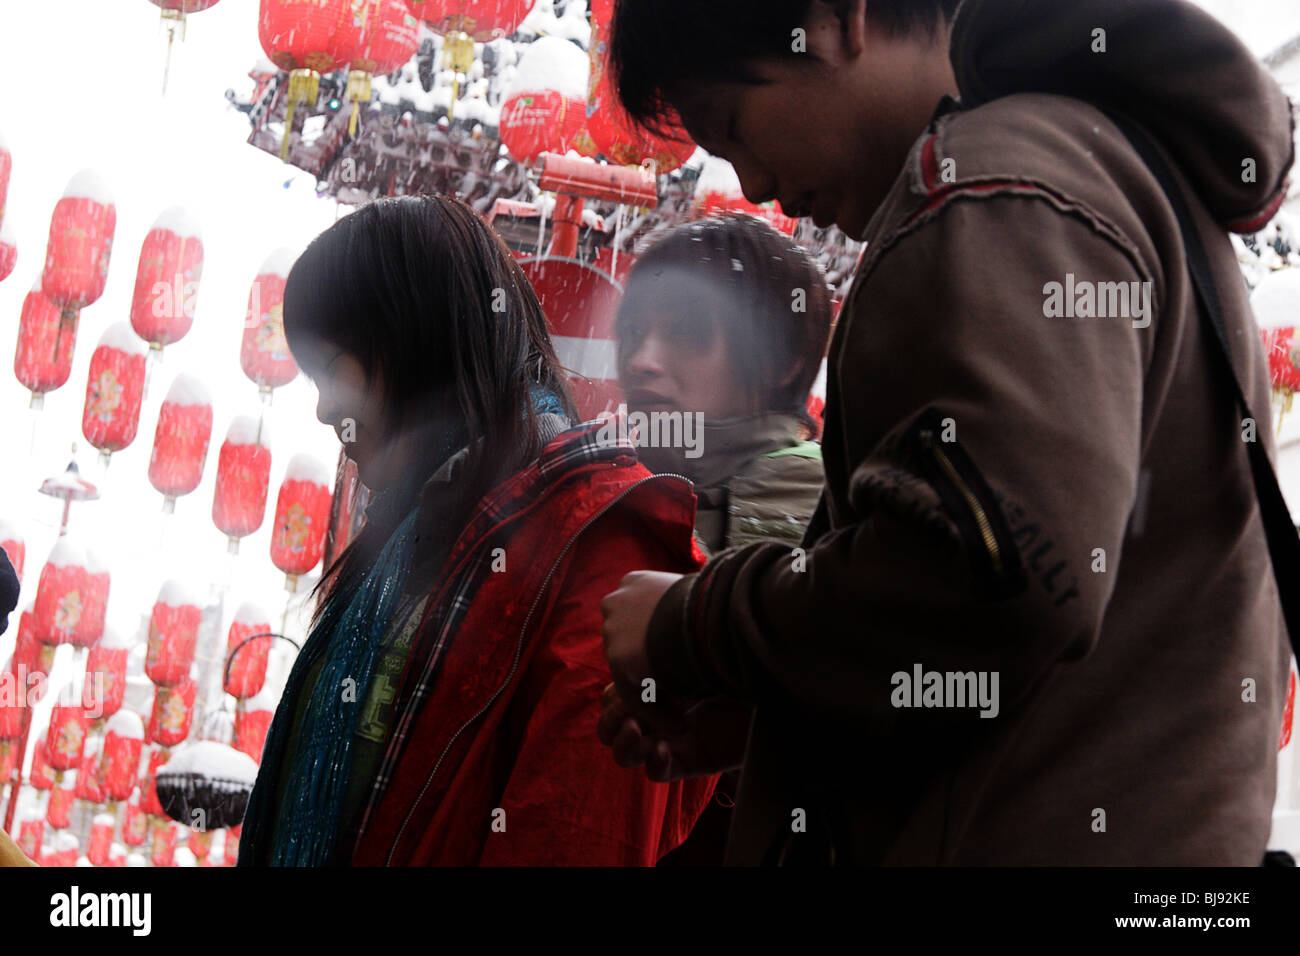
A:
{"x": 1034, "y": 621}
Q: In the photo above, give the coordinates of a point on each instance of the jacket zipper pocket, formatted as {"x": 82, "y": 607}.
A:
{"x": 970, "y": 501}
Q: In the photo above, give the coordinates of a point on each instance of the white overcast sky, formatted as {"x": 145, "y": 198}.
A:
{"x": 82, "y": 89}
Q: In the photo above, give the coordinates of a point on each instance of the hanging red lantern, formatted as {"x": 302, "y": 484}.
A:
{"x": 88, "y": 786}
{"x": 61, "y": 797}
{"x": 149, "y": 790}
{"x": 264, "y": 353}
{"x": 43, "y": 359}
{"x": 135, "y": 822}
{"x": 173, "y": 713}
{"x": 66, "y": 850}
{"x": 199, "y": 843}
{"x": 375, "y": 37}
{"x": 1276, "y": 304}
{"x": 105, "y": 684}
{"x": 162, "y": 850}
{"x": 180, "y": 444}
{"x": 32, "y": 659}
{"x": 80, "y": 245}
{"x": 41, "y": 775}
{"x": 482, "y": 20}
{"x": 101, "y": 839}
{"x": 300, "y": 37}
{"x": 231, "y": 848}
{"x": 90, "y": 628}
{"x": 13, "y": 711}
{"x": 8, "y": 758}
{"x": 11, "y": 542}
{"x": 167, "y": 280}
{"x": 6, "y": 169}
{"x": 61, "y": 594}
{"x": 114, "y": 391}
{"x": 123, "y": 745}
{"x": 609, "y": 129}
{"x": 30, "y": 835}
{"x": 67, "y": 735}
{"x": 245, "y": 667}
{"x": 173, "y": 632}
{"x": 243, "y": 480}
{"x": 302, "y": 514}
{"x": 8, "y": 250}
{"x": 251, "y": 726}
{"x": 544, "y": 109}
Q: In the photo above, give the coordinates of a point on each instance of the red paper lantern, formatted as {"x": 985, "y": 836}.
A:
{"x": 42, "y": 774}
{"x": 6, "y": 168}
{"x": 8, "y": 759}
{"x": 251, "y": 727}
{"x": 264, "y": 354}
{"x": 483, "y": 20}
{"x": 180, "y": 444}
{"x": 101, "y": 839}
{"x": 91, "y": 626}
{"x": 114, "y": 391}
{"x": 105, "y": 684}
{"x": 167, "y": 280}
{"x": 8, "y": 249}
{"x": 545, "y": 107}
{"x": 88, "y": 786}
{"x": 13, "y": 711}
{"x": 32, "y": 660}
{"x": 61, "y": 797}
{"x": 123, "y": 745}
{"x": 302, "y": 514}
{"x": 62, "y": 594}
{"x": 199, "y": 843}
{"x": 80, "y": 244}
{"x": 243, "y": 480}
{"x": 149, "y": 790}
{"x": 609, "y": 129}
{"x": 31, "y": 833}
{"x": 11, "y": 542}
{"x": 245, "y": 672}
{"x": 300, "y": 37}
{"x": 231, "y": 848}
{"x": 67, "y": 736}
{"x": 135, "y": 823}
{"x": 375, "y": 37}
{"x": 173, "y": 713}
{"x": 173, "y": 633}
{"x": 43, "y": 358}
{"x": 162, "y": 851}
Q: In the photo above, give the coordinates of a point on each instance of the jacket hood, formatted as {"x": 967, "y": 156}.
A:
{"x": 1168, "y": 65}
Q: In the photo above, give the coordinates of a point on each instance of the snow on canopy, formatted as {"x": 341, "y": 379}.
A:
{"x": 542, "y": 22}
{"x": 305, "y": 467}
{"x": 176, "y": 593}
{"x": 94, "y": 563}
{"x": 180, "y": 222}
{"x": 243, "y": 430}
{"x": 88, "y": 184}
{"x": 125, "y": 723}
{"x": 718, "y": 176}
{"x": 9, "y": 531}
{"x": 211, "y": 759}
{"x": 121, "y": 336}
{"x": 250, "y": 613}
{"x": 552, "y": 64}
{"x": 66, "y": 553}
{"x": 188, "y": 390}
{"x": 1276, "y": 300}
{"x": 278, "y": 263}
{"x": 65, "y": 840}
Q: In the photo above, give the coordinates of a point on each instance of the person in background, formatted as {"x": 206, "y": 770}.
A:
{"x": 9, "y": 588}
{"x": 443, "y": 709}
{"x": 727, "y": 319}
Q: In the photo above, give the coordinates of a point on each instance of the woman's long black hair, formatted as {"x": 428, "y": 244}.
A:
{"x": 421, "y": 291}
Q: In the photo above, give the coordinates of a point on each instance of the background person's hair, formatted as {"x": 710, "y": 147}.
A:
{"x": 659, "y": 45}
{"x": 421, "y": 291}
{"x": 756, "y": 271}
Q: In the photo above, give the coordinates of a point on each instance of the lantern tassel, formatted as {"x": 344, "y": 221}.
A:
{"x": 304, "y": 86}
{"x": 358, "y": 93}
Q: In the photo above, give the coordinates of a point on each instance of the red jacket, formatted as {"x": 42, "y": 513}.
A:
{"x": 502, "y": 765}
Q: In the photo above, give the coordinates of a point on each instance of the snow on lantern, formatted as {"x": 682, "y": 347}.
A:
{"x": 135, "y": 822}
{"x": 206, "y": 783}
{"x": 544, "y": 108}
{"x": 263, "y": 353}
{"x": 609, "y": 129}
{"x": 88, "y": 786}
{"x": 30, "y": 835}
{"x": 105, "y": 684}
{"x": 79, "y": 248}
{"x": 114, "y": 391}
{"x": 123, "y": 745}
{"x": 116, "y": 855}
{"x": 300, "y": 38}
{"x": 180, "y": 444}
{"x": 67, "y": 735}
{"x": 302, "y": 514}
{"x": 61, "y": 797}
{"x": 43, "y": 358}
{"x": 252, "y": 724}
{"x": 718, "y": 191}
{"x": 61, "y": 594}
{"x": 245, "y": 669}
{"x": 42, "y": 774}
{"x": 173, "y": 713}
{"x": 173, "y": 633}
{"x": 375, "y": 37}
{"x": 91, "y": 626}
{"x": 1276, "y": 303}
{"x": 162, "y": 848}
{"x": 243, "y": 480}
{"x": 8, "y": 250}
{"x": 66, "y": 850}
{"x": 13, "y": 545}
{"x": 101, "y": 838}
{"x": 167, "y": 279}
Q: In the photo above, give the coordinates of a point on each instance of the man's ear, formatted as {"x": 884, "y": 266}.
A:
{"x": 850, "y": 20}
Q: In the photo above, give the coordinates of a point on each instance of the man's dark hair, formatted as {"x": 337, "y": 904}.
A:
{"x": 773, "y": 305}
{"x": 659, "y": 45}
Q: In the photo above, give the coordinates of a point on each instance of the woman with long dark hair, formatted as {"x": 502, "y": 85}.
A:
{"x": 443, "y": 710}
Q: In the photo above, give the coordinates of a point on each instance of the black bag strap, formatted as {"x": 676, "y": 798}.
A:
{"x": 1283, "y": 541}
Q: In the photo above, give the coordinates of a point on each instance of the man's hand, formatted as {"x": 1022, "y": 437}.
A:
{"x": 711, "y": 739}
{"x": 627, "y": 612}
